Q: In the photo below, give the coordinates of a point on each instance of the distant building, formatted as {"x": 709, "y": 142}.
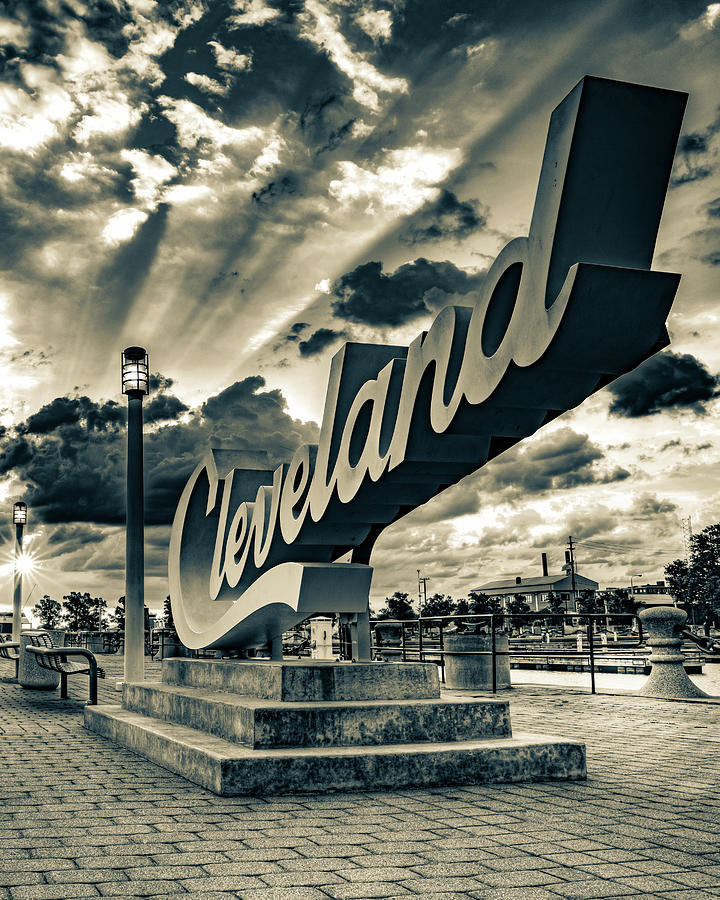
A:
{"x": 6, "y": 622}
{"x": 644, "y": 595}
{"x": 535, "y": 589}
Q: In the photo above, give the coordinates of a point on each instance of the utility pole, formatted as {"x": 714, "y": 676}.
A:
{"x": 572, "y": 570}
{"x": 422, "y": 591}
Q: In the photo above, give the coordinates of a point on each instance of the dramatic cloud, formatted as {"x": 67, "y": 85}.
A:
{"x": 319, "y": 340}
{"x": 696, "y": 160}
{"x": 666, "y": 381}
{"x": 275, "y": 189}
{"x": 647, "y": 505}
{"x": 559, "y": 460}
{"x": 447, "y": 218}
{"x": 712, "y": 209}
{"x": 368, "y": 296}
{"x": 71, "y": 454}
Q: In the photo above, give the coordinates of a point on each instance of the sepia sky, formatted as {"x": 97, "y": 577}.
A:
{"x": 242, "y": 185}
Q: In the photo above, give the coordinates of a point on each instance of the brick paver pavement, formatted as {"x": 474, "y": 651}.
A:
{"x": 82, "y": 817}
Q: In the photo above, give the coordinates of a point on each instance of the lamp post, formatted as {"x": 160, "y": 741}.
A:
{"x": 19, "y": 521}
{"x": 135, "y": 374}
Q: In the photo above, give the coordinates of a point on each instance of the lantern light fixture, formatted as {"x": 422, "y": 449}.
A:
{"x": 135, "y": 371}
{"x": 19, "y": 513}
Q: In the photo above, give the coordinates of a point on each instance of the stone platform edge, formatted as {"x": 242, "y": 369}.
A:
{"x": 230, "y": 770}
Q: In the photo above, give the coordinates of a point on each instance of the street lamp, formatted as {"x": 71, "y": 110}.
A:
{"x": 19, "y": 521}
{"x": 632, "y": 589}
{"x": 135, "y": 378}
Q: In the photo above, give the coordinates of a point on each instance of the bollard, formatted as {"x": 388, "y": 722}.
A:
{"x": 668, "y": 678}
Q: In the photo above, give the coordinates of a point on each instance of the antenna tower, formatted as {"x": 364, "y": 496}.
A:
{"x": 686, "y": 535}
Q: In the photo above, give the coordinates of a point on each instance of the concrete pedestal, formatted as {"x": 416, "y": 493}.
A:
{"x": 468, "y": 662}
{"x": 30, "y": 674}
{"x": 267, "y": 727}
{"x": 663, "y": 626}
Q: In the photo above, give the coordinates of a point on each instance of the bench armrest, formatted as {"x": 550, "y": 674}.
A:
{"x": 64, "y": 652}
{"x": 6, "y": 646}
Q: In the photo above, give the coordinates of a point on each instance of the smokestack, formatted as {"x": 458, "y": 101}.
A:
{"x": 544, "y": 565}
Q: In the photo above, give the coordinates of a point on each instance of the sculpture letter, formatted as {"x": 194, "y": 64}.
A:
{"x": 560, "y": 314}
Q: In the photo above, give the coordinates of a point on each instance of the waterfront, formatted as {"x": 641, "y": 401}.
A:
{"x": 709, "y": 681}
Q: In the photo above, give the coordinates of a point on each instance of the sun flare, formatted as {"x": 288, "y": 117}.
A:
{"x": 26, "y": 564}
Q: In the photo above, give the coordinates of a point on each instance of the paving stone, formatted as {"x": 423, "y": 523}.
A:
{"x": 53, "y": 891}
{"x": 365, "y": 891}
{"x": 517, "y": 879}
{"x": 221, "y": 883}
{"x": 595, "y": 889}
{"x": 87, "y": 876}
{"x": 388, "y": 859}
{"x": 283, "y": 894}
{"x": 521, "y": 893}
{"x": 139, "y": 888}
{"x": 432, "y": 886}
{"x": 7, "y": 879}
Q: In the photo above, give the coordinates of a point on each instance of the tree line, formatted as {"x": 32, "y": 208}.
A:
{"x": 399, "y": 606}
{"x": 79, "y": 612}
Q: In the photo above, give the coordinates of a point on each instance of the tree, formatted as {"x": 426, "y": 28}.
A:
{"x": 118, "y": 616}
{"x": 397, "y": 607}
{"x": 588, "y": 602}
{"x": 676, "y": 576}
{"x": 518, "y": 604}
{"x": 481, "y": 604}
{"x": 617, "y": 601}
{"x": 439, "y": 605}
{"x": 167, "y": 614}
{"x": 48, "y": 611}
{"x": 555, "y": 603}
{"x": 695, "y": 584}
{"x": 83, "y": 612}
{"x": 462, "y": 607}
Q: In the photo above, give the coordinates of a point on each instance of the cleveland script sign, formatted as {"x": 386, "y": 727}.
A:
{"x": 561, "y": 313}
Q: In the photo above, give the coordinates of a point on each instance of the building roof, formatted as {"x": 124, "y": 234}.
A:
{"x": 537, "y": 585}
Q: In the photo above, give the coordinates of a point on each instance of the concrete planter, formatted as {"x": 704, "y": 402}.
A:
{"x": 466, "y": 670}
{"x": 30, "y": 674}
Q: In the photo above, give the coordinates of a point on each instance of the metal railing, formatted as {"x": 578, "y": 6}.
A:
{"x": 424, "y": 642}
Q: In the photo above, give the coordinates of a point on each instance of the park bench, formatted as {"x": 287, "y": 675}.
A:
{"x": 57, "y": 659}
{"x": 10, "y": 650}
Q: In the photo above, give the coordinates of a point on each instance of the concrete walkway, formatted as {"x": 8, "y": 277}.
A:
{"x": 82, "y": 817}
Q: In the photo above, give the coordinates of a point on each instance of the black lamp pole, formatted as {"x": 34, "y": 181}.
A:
{"x": 135, "y": 375}
{"x": 19, "y": 521}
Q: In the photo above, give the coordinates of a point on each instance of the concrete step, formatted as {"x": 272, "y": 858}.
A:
{"x": 266, "y": 723}
{"x": 307, "y": 681}
{"x": 229, "y": 769}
